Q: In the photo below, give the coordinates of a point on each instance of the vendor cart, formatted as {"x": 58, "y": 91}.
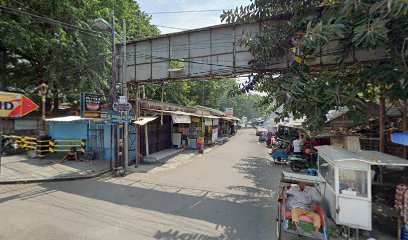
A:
{"x": 348, "y": 177}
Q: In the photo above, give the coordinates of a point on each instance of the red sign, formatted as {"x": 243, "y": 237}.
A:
{"x": 15, "y": 105}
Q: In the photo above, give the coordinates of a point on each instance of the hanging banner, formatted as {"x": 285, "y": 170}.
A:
{"x": 15, "y": 105}
{"x": 208, "y": 121}
{"x": 91, "y": 105}
{"x": 214, "y": 136}
{"x": 216, "y": 122}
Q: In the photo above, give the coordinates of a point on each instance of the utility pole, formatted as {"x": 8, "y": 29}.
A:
{"x": 43, "y": 89}
{"x": 113, "y": 89}
{"x": 145, "y": 126}
{"x": 125, "y": 93}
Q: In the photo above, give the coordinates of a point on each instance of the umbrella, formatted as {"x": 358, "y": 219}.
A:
{"x": 400, "y": 138}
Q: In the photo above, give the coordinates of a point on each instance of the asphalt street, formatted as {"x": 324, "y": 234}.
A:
{"x": 228, "y": 193}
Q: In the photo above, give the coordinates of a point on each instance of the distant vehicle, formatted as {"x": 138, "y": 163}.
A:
{"x": 263, "y": 136}
{"x": 260, "y": 129}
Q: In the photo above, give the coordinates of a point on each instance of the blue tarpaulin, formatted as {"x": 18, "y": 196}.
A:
{"x": 400, "y": 138}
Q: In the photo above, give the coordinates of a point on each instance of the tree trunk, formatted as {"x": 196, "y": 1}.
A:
{"x": 56, "y": 102}
{"x": 405, "y": 126}
{"x": 382, "y": 121}
{"x": 2, "y": 68}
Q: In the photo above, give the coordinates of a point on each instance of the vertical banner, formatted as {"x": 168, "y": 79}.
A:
{"x": 214, "y": 135}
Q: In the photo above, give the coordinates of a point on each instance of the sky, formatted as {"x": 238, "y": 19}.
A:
{"x": 187, "y": 20}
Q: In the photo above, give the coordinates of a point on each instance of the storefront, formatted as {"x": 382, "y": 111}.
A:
{"x": 159, "y": 135}
{"x": 193, "y": 132}
{"x": 181, "y": 124}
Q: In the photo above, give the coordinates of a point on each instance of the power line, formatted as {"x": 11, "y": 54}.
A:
{"x": 189, "y": 11}
{"x": 176, "y": 28}
{"x": 49, "y": 20}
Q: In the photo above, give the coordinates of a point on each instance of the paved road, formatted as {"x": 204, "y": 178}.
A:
{"x": 228, "y": 193}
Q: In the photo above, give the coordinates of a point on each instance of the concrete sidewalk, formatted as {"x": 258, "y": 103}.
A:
{"x": 170, "y": 162}
{"x": 21, "y": 169}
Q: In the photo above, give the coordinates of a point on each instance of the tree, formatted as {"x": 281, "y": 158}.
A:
{"x": 306, "y": 26}
{"x": 217, "y": 94}
{"x": 55, "y": 43}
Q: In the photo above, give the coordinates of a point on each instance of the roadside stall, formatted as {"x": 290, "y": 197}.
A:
{"x": 348, "y": 178}
{"x": 208, "y": 122}
{"x": 181, "y": 123}
{"x": 194, "y": 132}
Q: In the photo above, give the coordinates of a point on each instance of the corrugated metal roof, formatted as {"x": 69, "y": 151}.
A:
{"x": 334, "y": 154}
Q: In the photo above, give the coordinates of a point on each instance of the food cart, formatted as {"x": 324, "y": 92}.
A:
{"x": 348, "y": 178}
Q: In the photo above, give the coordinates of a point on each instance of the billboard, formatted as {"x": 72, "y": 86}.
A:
{"x": 91, "y": 105}
{"x": 15, "y": 105}
{"x": 229, "y": 112}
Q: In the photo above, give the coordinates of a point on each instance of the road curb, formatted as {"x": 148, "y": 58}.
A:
{"x": 57, "y": 179}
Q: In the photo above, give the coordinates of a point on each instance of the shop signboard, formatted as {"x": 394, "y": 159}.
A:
{"x": 195, "y": 119}
{"x": 15, "y": 105}
{"x": 91, "y": 105}
{"x": 229, "y": 112}
{"x": 208, "y": 122}
{"x": 214, "y": 136}
{"x": 114, "y": 117}
{"x": 181, "y": 118}
{"x": 122, "y": 105}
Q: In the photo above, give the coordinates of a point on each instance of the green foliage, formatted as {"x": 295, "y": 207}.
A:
{"x": 68, "y": 54}
{"x": 175, "y": 64}
{"x": 311, "y": 93}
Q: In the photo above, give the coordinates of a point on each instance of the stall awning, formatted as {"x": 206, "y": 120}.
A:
{"x": 143, "y": 120}
{"x": 400, "y": 138}
{"x": 181, "y": 118}
{"x": 68, "y": 119}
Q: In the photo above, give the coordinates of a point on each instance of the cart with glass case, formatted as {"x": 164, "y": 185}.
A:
{"x": 348, "y": 177}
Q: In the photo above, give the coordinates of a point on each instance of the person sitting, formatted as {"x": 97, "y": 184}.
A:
{"x": 71, "y": 155}
{"x": 90, "y": 155}
{"x": 301, "y": 200}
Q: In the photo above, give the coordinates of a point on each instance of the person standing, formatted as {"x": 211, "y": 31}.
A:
{"x": 297, "y": 144}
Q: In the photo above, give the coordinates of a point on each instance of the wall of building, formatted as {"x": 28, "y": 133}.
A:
{"x": 68, "y": 130}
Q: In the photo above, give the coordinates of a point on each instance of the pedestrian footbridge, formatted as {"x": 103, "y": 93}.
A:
{"x": 210, "y": 52}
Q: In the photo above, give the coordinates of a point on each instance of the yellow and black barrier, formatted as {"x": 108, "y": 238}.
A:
{"x": 25, "y": 141}
{"x": 42, "y": 147}
{"x": 56, "y": 145}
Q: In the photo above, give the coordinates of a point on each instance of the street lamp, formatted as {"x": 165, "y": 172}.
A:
{"x": 103, "y": 25}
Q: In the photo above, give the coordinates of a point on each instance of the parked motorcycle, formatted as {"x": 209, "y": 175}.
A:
{"x": 299, "y": 162}
{"x": 280, "y": 152}
{"x": 9, "y": 147}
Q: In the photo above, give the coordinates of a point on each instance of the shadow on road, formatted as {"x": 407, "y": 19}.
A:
{"x": 202, "y": 206}
{"x": 177, "y": 235}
